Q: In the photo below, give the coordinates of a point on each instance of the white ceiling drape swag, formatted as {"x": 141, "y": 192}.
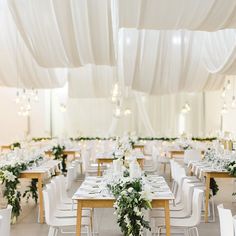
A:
{"x": 96, "y": 79}
{"x": 18, "y": 68}
{"x": 210, "y": 15}
{"x": 159, "y": 62}
{"x": 155, "y": 58}
{"x": 66, "y": 33}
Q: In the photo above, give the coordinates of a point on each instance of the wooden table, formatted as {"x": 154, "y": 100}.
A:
{"x": 108, "y": 203}
{"x": 102, "y": 160}
{"x": 39, "y": 175}
{"x": 174, "y": 153}
{"x": 6, "y": 147}
{"x": 65, "y": 152}
{"x": 208, "y": 175}
{"x": 139, "y": 146}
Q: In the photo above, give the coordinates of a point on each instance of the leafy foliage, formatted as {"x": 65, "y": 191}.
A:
{"x": 15, "y": 145}
{"x": 32, "y": 191}
{"x": 58, "y": 152}
{"x": 9, "y": 175}
{"x": 130, "y": 202}
{"x": 214, "y": 186}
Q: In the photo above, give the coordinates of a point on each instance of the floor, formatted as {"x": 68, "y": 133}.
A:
{"x": 27, "y": 222}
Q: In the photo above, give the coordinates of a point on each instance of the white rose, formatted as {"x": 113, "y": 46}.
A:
{"x": 130, "y": 190}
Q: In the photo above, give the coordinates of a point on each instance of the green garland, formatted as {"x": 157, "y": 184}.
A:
{"x": 41, "y": 139}
{"x": 169, "y": 139}
{"x": 58, "y": 152}
{"x": 15, "y": 145}
{"x": 129, "y": 205}
{"x": 9, "y": 175}
{"x": 214, "y": 186}
{"x": 32, "y": 191}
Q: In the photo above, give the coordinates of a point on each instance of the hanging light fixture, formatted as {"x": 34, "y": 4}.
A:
{"x": 228, "y": 85}
{"x": 186, "y": 108}
{"x": 233, "y": 104}
{"x": 63, "y": 108}
{"x": 127, "y": 112}
{"x": 224, "y": 109}
{"x": 223, "y": 93}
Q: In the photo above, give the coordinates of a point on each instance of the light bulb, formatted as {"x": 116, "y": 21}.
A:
{"x": 187, "y": 107}
{"x": 228, "y": 86}
{"x": 224, "y": 109}
{"x": 233, "y": 104}
{"x": 127, "y": 111}
{"x": 118, "y": 112}
{"x": 128, "y": 40}
{"x": 223, "y": 93}
{"x": 63, "y": 108}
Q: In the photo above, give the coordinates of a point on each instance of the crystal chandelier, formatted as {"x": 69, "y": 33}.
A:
{"x": 24, "y": 100}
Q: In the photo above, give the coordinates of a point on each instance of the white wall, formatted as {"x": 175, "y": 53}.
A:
{"x": 93, "y": 117}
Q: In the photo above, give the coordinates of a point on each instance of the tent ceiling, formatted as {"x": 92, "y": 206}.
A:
{"x": 44, "y": 43}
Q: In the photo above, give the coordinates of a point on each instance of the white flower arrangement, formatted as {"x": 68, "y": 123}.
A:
{"x": 131, "y": 200}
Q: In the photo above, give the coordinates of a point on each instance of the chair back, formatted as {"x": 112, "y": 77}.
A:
{"x": 155, "y": 154}
{"x": 192, "y": 155}
{"x": 187, "y": 190}
{"x": 48, "y": 206}
{"x": 5, "y": 221}
{"x": 61, "y": 181}
{"x": 70, "y": 177}
{"x": 196, "y": 207}
{"x": 86, "y": 158}
{"x": 226, "y": 221}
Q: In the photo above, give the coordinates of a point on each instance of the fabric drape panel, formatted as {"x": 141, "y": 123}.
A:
{"x": 144, "y": 115}
{"x": 91, "y": 81}
{"x": 68, "y": 33}
{"x": 208, "y": 15}
{"x": 73, "y": 34}
{"x": 18, "y": 67}
{"x": 160, "y": 62}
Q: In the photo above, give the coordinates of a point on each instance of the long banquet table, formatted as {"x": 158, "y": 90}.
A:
{"x": 93, "y": 193}
{"x": 40, "y": 172}
{"x": 101, "y": 160}
{"x": 202, "y": 170}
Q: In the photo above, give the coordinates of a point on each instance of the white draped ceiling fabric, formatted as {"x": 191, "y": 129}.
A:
{"x": 152, "y": 46}
{"x": 154, "y": 52}
{"x": 18, "y": 67}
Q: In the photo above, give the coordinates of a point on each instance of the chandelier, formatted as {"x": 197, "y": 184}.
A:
{"x": 24, "y": 100}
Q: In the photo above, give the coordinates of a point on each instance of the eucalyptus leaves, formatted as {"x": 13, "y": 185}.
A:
{"x": 58, "y": 152}
{"x": 9, "y": 176}
{"x": 131, "y": 200}
{"x": 232, "y": 168}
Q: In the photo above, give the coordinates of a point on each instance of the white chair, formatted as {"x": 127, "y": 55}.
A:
{"x": 192, "y": 155}
{"x": 70, "y": 177}
{"x": 184, "y": 208}
{"x": 90, "y": 169}
{"x": 187, "y": 223}
{"x": 57, "y": 223}
{"x": 5, "y": 221}
{"x": 152, "y": 169}
{"x": 60, "y": 181}
{"x": 226, "y": 221}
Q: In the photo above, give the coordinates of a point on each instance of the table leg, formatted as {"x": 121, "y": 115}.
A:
{"x": 167, "y": 217}
{"x": 99, "y": 168}
{"x": 207, "y": 194}
{"x": 79, "y": 216}
{"x": 40, "y": 193}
